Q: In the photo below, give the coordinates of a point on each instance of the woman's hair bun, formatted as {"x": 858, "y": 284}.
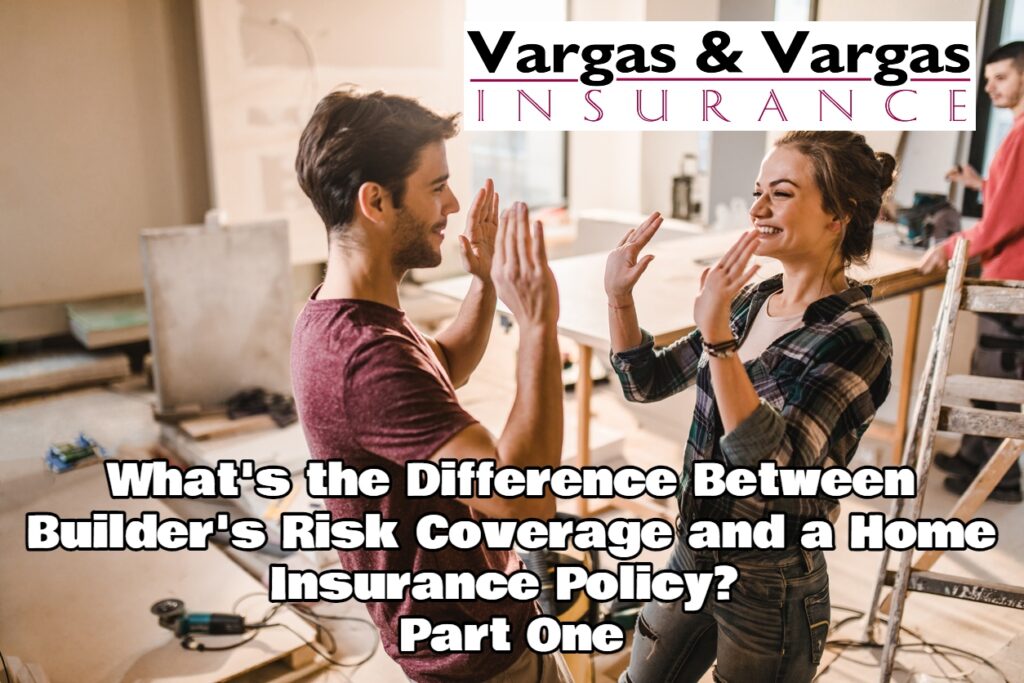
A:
{"x": 888, "y": 170}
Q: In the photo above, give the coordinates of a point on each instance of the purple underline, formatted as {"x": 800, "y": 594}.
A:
{"x": 704, "y": 79}
{"x": 523, "y": 80}
{"x": 752, "y": 78}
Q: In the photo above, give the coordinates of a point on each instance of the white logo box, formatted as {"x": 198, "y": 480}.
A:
{"x": 762, "y": 95}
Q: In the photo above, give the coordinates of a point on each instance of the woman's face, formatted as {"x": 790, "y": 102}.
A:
{"x": 787, "y": 210}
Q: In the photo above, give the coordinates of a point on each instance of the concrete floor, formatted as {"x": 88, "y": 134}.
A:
{"x": 120, "y": 418}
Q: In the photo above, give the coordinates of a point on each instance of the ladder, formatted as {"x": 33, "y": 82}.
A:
{"x": 937, "y": 408}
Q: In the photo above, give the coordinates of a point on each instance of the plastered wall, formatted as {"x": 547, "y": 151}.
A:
{"x": 101, "y": 129}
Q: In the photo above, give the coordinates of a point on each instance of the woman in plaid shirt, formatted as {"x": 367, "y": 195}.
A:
{"x": 791, "y": 369}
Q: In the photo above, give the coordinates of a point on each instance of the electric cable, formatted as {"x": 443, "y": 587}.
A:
{"x": 310, "y": 616}
{"x": 930, "y": 648}
{"x": 315, "y": 616}
{"x": 312, "y": 646}
{"x": 188, "y": 641}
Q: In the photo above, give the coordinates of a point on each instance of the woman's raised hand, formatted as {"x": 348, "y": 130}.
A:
{"x": 720, "y": 284}
{"x": 624, "y": 267}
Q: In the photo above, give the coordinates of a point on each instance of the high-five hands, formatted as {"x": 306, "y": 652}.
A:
{"x": 477, "y": 241}
{"x": 623, "y": 268}
{"x": 520, "y": 271}
{"x": 720, "y": 284}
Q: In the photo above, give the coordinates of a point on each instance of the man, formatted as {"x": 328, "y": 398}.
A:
{"x": 998, "y": 239}
{"x": 374, "y": 392}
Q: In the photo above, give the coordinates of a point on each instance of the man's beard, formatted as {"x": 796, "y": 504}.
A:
{"x": 413, "y": 247}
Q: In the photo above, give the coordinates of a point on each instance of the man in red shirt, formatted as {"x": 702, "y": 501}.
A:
{"x": 373, "y": 391}
{"x": 998, "y": 239}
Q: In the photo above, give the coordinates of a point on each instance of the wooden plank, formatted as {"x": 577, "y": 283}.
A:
{"x": 994, "y": 423}
{"x": 584, "y": 384}
{"x": 984, "y": 389}
{"x": 50, "y": 371}
{"x": 108, "y": 322}
{"x": 213, "y": 426}
{"x": 971, "y": 500}
{"x": 1013, "y": 284}
{"x": 1001, "y": 594}
{"x": 907, "y": 373}
{"x": 993, "y": 299}
{"x": 969, "y": 503}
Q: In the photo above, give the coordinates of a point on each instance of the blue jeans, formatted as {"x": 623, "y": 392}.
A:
{"x": 772, "y": 630}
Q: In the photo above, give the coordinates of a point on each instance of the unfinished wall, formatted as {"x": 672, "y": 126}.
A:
{"x": 266, "y": 63}
{"x": 102, "y": 137}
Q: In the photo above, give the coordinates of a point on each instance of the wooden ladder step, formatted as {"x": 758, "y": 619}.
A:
{"x": 994, "y": 423}
{"x": 1012, "y": 284}
{"x": 993, "y": 296}
{"x": 979, "y": 388}
{"x": 951, "y": 586}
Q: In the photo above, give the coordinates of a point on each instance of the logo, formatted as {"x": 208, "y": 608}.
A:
{"x": 720, "y": 76}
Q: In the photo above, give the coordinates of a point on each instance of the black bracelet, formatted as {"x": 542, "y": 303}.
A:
{"x": 725, "y": 349}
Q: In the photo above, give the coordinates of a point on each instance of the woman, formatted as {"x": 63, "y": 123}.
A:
{"x": 791, "y": 369}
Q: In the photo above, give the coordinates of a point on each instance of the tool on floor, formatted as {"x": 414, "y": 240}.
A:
{"x": 171, "y": 614}
{"x": 258, "y": 401}
{"x": 938, "y": 407}
{"x": 63, "y": 457}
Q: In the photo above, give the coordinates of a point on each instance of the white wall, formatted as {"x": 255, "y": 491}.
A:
{"x": 101, "y": 135}
{"x": 266, "y": 65}
{"x": 905, "y": 10}
{"x": 630, "y": 171}
{"x": 662, "y": 152}
{"x": 605, "y": 168}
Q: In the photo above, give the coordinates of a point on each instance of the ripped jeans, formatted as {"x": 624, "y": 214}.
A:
{"x": 772, "y": 630}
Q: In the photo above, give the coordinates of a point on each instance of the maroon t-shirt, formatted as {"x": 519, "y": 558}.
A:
{"x": 371, "y": 392}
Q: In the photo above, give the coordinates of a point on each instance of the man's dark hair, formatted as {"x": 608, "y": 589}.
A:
{"x": 1014, "y": 51}
{"x": 356, "y": 138}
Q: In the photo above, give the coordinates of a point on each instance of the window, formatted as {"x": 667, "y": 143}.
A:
{"x": 527, "y": 166}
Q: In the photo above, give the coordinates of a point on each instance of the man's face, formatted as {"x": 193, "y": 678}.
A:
{"x": 428, "y": 201}
{"x": 1004, "y": 83}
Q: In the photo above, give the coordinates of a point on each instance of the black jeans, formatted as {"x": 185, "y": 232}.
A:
{"x": 772, "y": 630}
{"x": 998, "y": 353}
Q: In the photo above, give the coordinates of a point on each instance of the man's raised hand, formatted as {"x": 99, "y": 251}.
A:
{"x": 477, "y": 241}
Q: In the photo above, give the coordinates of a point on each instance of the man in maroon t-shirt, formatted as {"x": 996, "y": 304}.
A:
{"x": 373, "y": 391}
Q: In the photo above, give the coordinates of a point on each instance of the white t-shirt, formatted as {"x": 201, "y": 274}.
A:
{"x": 765, "y": 329}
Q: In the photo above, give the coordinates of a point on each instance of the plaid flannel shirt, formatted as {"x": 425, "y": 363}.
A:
{"x": 820, "y": 386}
